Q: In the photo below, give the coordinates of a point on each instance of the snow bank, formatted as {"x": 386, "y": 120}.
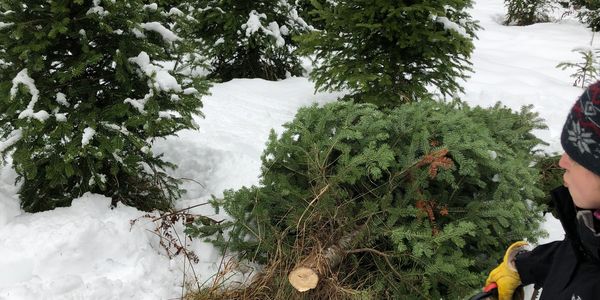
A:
{"x": 86, "y": 251}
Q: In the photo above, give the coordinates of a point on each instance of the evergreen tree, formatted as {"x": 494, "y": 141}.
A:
{"x": 248, "y": 39}
{"x": 414, "y": 203}
{"x": 526, "y": 12}
{"x": 588, "y": 12}
{"x": 84, "y": 91}
{"x": 307, "y": 11}
{"x": 587, "y": 71}
{"x": 389, "y": 52}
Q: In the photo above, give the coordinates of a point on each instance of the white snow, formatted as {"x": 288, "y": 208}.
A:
{"x": 496, "y": 178}
{"x": 23, "y": 78}
{"x": 273, "y": 30}
{"x": 254, "y": 24}
{"x": 219, "y": 41}
{"x": 62, "y": 99}
{"x": 41, "y": 115}
{"x": 167, "y": 35}
{"x": 449, "y": 25}
{"x": 88, "y": 134}
{"x": 138, "y": 33}
{"x": 78, "y": 256}
{"x": 12, "y": 138}
{"x": 162, "y": 80}
{"x": 97, "y": 9}
{"x": 89, "y": 251}
{"x": 189, "y": 91}
{"x": 151, "y": 6}
{"x": 175, "y": 12}
{"x": 139, "y": 104}
{"x": 5, "y": 25}
{"x": 168, "y": 114}
{"x": 61, "y": 117}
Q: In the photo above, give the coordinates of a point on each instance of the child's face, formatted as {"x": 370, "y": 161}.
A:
{"x": 583, "y": 185}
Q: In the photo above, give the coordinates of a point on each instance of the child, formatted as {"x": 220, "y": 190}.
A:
{"x": 567, "y": 269}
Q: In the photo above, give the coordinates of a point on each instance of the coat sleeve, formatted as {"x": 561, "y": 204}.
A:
{"x": 534, "y": 266}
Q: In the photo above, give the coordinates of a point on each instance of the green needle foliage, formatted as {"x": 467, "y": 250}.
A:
{"x": 588, "y": 70}
{"x": 247, "y": 39}
{"x": 420, "y": 201}
{"x": 83, "y": 94}
{"x": 526, "y": 12}
{"x": 307, "y": 11}
{"x": 551, "y": 177}
{"x": 390, "y": 52}
{"x": 588, "y": 11}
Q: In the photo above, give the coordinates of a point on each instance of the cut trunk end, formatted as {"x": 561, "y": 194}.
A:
{"x": 303, "y": 279}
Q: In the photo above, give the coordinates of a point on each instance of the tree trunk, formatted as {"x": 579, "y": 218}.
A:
{"x": 305, "y": 276}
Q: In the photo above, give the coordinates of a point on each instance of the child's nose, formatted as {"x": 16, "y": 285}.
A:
{"x": 564, "y": 161}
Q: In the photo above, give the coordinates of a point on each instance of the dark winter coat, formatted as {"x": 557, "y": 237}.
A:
{"x": 567, "y": 269}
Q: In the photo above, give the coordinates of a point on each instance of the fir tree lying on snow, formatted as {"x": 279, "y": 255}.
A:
{"x": 413, "y": 203}
{"x": 83, "y": 93}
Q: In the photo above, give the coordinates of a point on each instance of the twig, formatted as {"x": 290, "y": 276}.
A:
{"x": 184, "y": 244}
{"x": 178, "y": 211}
{"x": 367, "y": 250}
{"x": 193, "y": 180}
{"x": 323, "y": 190}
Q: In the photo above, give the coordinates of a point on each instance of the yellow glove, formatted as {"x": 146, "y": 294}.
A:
{"x": 505, "y": 275}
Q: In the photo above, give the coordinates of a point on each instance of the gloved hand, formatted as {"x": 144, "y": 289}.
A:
{"x": 505, "y": 275}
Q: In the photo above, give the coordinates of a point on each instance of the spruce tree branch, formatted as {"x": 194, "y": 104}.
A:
{"x": 388, "y": 262}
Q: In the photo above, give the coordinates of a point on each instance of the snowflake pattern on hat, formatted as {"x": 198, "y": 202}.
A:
{"x": 580, "y": 138}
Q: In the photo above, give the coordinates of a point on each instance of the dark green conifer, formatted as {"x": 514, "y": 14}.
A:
{"x": 390, "y": 52}
{"x": 248, "y": 39}
{"x": 588, "y": 12}
{"x": 526, "y": 12}
{"x": 85, "y": 88}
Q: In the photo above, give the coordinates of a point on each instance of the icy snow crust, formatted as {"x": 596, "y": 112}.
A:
{"x": 88, "y": 251}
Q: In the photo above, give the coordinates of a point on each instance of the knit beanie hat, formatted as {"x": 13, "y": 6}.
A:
{"x": 581, "y": 133}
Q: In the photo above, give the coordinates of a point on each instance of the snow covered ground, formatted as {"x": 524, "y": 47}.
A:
{"x": 88, "y": 251}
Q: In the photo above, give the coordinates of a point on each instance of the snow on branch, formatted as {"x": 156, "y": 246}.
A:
{"x": 62, "y": 99}
{"x": 5, "y": 25}
{"x": 449, "y": 25}
{"x": 151, "y": 6}
{"x": 97, "y": 9}
{"x": 88, "y": 134}
{"x": 23, "y": 78}
{"x": 294, "y": 17}
{"x": 140, "y": 104}
{"x": 254, "y": 24}
{"x": 160, "y": 77}
{"x": 174, "y": 11}
{"x": 167, "y": 35}
{"x": 13, "y": 137}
